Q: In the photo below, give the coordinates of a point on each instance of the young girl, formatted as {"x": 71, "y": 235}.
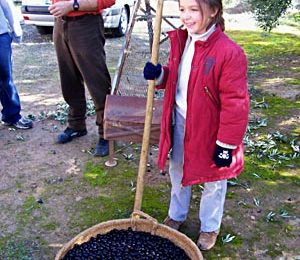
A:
{"x": 205, "y": 114}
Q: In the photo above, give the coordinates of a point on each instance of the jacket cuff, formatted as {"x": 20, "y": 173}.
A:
{"x": 227, "y": 146}
{"x": 160, "y": 79}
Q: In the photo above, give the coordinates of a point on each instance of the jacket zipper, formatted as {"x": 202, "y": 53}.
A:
{"x": 212, "y": 98}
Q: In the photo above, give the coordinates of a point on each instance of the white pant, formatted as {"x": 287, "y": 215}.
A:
{"x": 213, "y": 195}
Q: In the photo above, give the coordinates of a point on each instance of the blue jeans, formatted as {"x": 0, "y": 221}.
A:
{"x": 9, "y": 96}
{"x": 212, "y": 197}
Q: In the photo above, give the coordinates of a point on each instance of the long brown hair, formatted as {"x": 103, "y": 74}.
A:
{"x": 214, "y": 5}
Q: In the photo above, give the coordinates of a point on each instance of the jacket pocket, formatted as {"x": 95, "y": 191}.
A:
{"x": 214, "y": 100}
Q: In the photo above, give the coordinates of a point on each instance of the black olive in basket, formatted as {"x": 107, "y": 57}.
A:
{"x": 126, "y": 244}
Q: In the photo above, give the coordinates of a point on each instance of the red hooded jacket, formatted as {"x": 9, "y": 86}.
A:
{"x": 217, "y": 106}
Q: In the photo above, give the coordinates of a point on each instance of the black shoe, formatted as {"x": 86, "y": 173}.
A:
{"x": 69, "y": 134}
{"x": 102, "y": 148}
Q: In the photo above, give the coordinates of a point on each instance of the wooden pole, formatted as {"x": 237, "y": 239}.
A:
{"x": 149, "y": 111}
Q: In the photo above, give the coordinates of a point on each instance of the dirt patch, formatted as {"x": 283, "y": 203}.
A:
{"x": 275, "y": 80}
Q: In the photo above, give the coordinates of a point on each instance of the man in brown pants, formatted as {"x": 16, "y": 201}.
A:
{"x": 79, "y": 42}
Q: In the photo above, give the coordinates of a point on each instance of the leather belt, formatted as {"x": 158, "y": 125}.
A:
{"x": 72, "y": 18}
{"x": 76, "y": 18}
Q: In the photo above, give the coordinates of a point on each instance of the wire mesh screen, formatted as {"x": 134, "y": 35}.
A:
{"x": 131, "y": 80}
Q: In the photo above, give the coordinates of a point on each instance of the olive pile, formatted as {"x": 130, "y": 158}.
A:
{"x": 126, "y": 244}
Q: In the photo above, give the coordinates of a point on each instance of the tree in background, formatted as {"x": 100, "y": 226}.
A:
{"x": 268, "y": 12}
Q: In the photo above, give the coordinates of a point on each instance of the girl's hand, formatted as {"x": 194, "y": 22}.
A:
{"x": 222, "y": 157}
{"x": 152, "y": 71}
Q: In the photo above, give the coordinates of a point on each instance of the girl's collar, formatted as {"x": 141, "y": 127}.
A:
{"x": 204, "y": 36}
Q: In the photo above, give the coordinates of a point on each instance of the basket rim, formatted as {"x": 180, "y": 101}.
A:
{"x": 178, "y": 238}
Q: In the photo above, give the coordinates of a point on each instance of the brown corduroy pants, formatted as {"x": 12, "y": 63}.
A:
{"x": 79, "y": 44}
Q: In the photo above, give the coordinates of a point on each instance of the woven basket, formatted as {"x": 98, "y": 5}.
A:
{"x": 149, "y": 225}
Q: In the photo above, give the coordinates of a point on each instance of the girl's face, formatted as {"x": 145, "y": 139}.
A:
{"x": 195, "y": 20}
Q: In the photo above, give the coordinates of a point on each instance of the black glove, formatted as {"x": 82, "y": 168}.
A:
{"x": 152, "y": 71}
{"x": 222, "y": 157}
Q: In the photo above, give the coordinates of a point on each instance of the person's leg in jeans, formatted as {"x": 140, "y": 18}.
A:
{"x": 180, "y": 196}
{"x": 9, "y": 96}
{"x": 211, "y": 213}
{"x": 212, "y": 205}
